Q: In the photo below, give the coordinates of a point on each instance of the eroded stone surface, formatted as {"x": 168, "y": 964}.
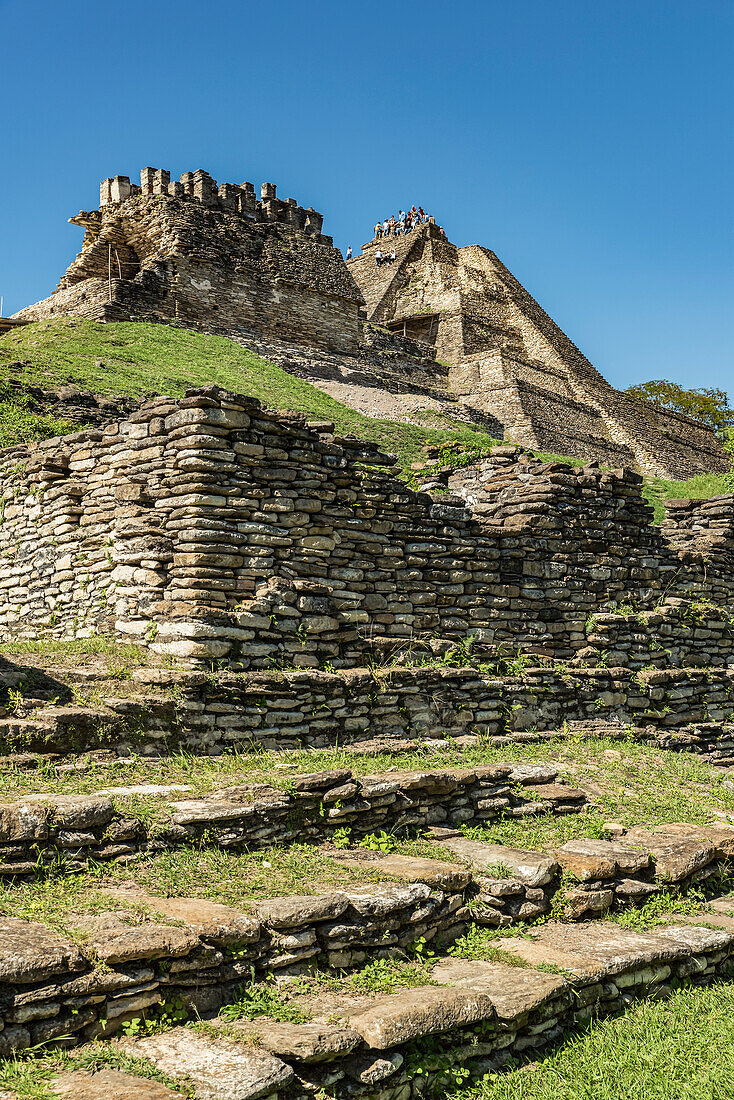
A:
{"x": 112, "y": 941}
{"x": 32, "y": 952}
{"x": 433, "y": 872}
{"x": 402, "y": 1016}
{"x": 109, "y": 1084}
{"x": 219, "y": 1069}
{"x": 533, "y": 868}
{"x": 289, "y": 912}
{"x": 677, "y": 856}
{"x": 600, "y": 859}
{"x": 514, "y": 990}
{"x": 309, "y": 1042}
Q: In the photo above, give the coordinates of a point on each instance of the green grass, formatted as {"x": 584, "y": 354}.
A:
{"x": 144, "y": 359}
{"x": 656, "y": 490}
{"x": 631, "y": 783}
{"x": 240, "y": 879}
{"x": 30, "y": 1074}
{"x": 681, "y": 1048}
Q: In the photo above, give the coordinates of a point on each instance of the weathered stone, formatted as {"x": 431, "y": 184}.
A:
{"x": 112, "y": 1084}
{"x": 217, "y": 1068}
{"x": 307, "y": 1042}
{"x": 416, "y": 1012}
{"x": 292, "y": 911}
{"x": 533, "y": 868}
{"x": 591, "y": 860}
{"x": 515, "y": 991}
{"x": 109, "y": 939}
{"x": 32, "y": 952}
{"x": 433, "y": 872}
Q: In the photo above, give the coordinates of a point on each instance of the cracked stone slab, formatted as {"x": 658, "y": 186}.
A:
{"x": 677, "y": 856}
{"x": 32, "y": 952}
{"x": 591, "y": 860}
{"x": 597, "y": 948}
{"x": 515, "y": 991}
{"x": 310, "y": 1042}
{"x": 218, "y": 1069}
{"x": 112, "y": 941}
{"x": 110, "y": 1084}
{"x": 532, "y": 868}
{"x": 697, "y": 937}
{"x": 294, "y": 911}
{"x": 433, "y": 872}
{"x": 395, "y": 1019}
{"x": 221, "y": 925}
{"x": 382, "y": 898}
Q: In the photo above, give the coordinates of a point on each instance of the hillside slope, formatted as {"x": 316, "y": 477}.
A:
{"x": 137, "y": 359}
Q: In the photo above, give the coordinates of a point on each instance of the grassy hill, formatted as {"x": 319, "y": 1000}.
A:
{"x": 144, "y": 359}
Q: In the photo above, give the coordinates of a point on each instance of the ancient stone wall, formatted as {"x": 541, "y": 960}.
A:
{"x": 209, "y": 527}
{"x": 208, "y": 256}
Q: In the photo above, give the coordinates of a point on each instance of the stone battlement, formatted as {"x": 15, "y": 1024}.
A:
{"x": 212, "y": 257}
{"x": 230, "y": 198}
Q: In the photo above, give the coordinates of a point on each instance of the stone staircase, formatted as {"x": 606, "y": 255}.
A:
{"x": 470, "y": 1005}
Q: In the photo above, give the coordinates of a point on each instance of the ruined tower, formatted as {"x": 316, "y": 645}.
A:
{"x": 208, "y": 256}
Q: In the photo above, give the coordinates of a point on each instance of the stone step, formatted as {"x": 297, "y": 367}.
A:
{"x": 164, "y": 709}
{"x": 110, "y": 1084}
{"x": 46, "y": 827}
{"x": 486, "y": 1013}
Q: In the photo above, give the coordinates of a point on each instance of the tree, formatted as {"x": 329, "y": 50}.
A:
{"x": 709, "y": 406}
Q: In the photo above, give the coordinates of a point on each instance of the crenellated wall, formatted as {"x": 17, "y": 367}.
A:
{"x": 211, "y": 528}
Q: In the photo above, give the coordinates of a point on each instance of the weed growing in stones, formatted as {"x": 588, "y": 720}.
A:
{"x": 260, "y": 999}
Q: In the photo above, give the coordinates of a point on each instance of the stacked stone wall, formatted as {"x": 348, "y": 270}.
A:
{"x": 212, "y": 528}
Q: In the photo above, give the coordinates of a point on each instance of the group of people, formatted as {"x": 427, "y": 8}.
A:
{"x": 404, "y": 222}
{"x": 384, "y": 257}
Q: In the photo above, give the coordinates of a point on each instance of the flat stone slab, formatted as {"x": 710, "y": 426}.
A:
{"x": 514, "y": 990}
{"x": 219, "y": 924}
{"x": 601, "y": 947}
{"x": 600, "y": 859}
{"x": 218, "y": 1069}
{"x": 109, "y": 1084}
{"x": 150, "y": 789}
{"x": 32, "y": 952}
{"x": 434, "y": 872}
{"x": 291, "y": 912}
{"x": 556, "y": 792}
{"x": 112, "y": 941}
{"x": 382, "y": 898}
{"x": 677, "y": 856}
{"x": 697, "y": 937}
{"x": 532, "y": 868}
{"x": 311, "y": 1042}
{"x": 427, "y": 1010}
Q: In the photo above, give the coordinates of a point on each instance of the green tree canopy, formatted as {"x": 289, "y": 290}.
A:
{"x": 708, "y": 405}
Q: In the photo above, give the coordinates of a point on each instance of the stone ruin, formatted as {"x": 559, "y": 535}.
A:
{"x": 510, "y": 360}
{"x": 290, "y": 592}
{"x": 208, "y": 256}
{"x": 217, "y": 529}
{"x": 450, "y": 323}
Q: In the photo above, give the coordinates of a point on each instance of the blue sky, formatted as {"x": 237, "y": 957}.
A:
{"x": 590, "y": 144}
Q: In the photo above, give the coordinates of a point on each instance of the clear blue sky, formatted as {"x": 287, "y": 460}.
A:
{"x": 588, "y": 142}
